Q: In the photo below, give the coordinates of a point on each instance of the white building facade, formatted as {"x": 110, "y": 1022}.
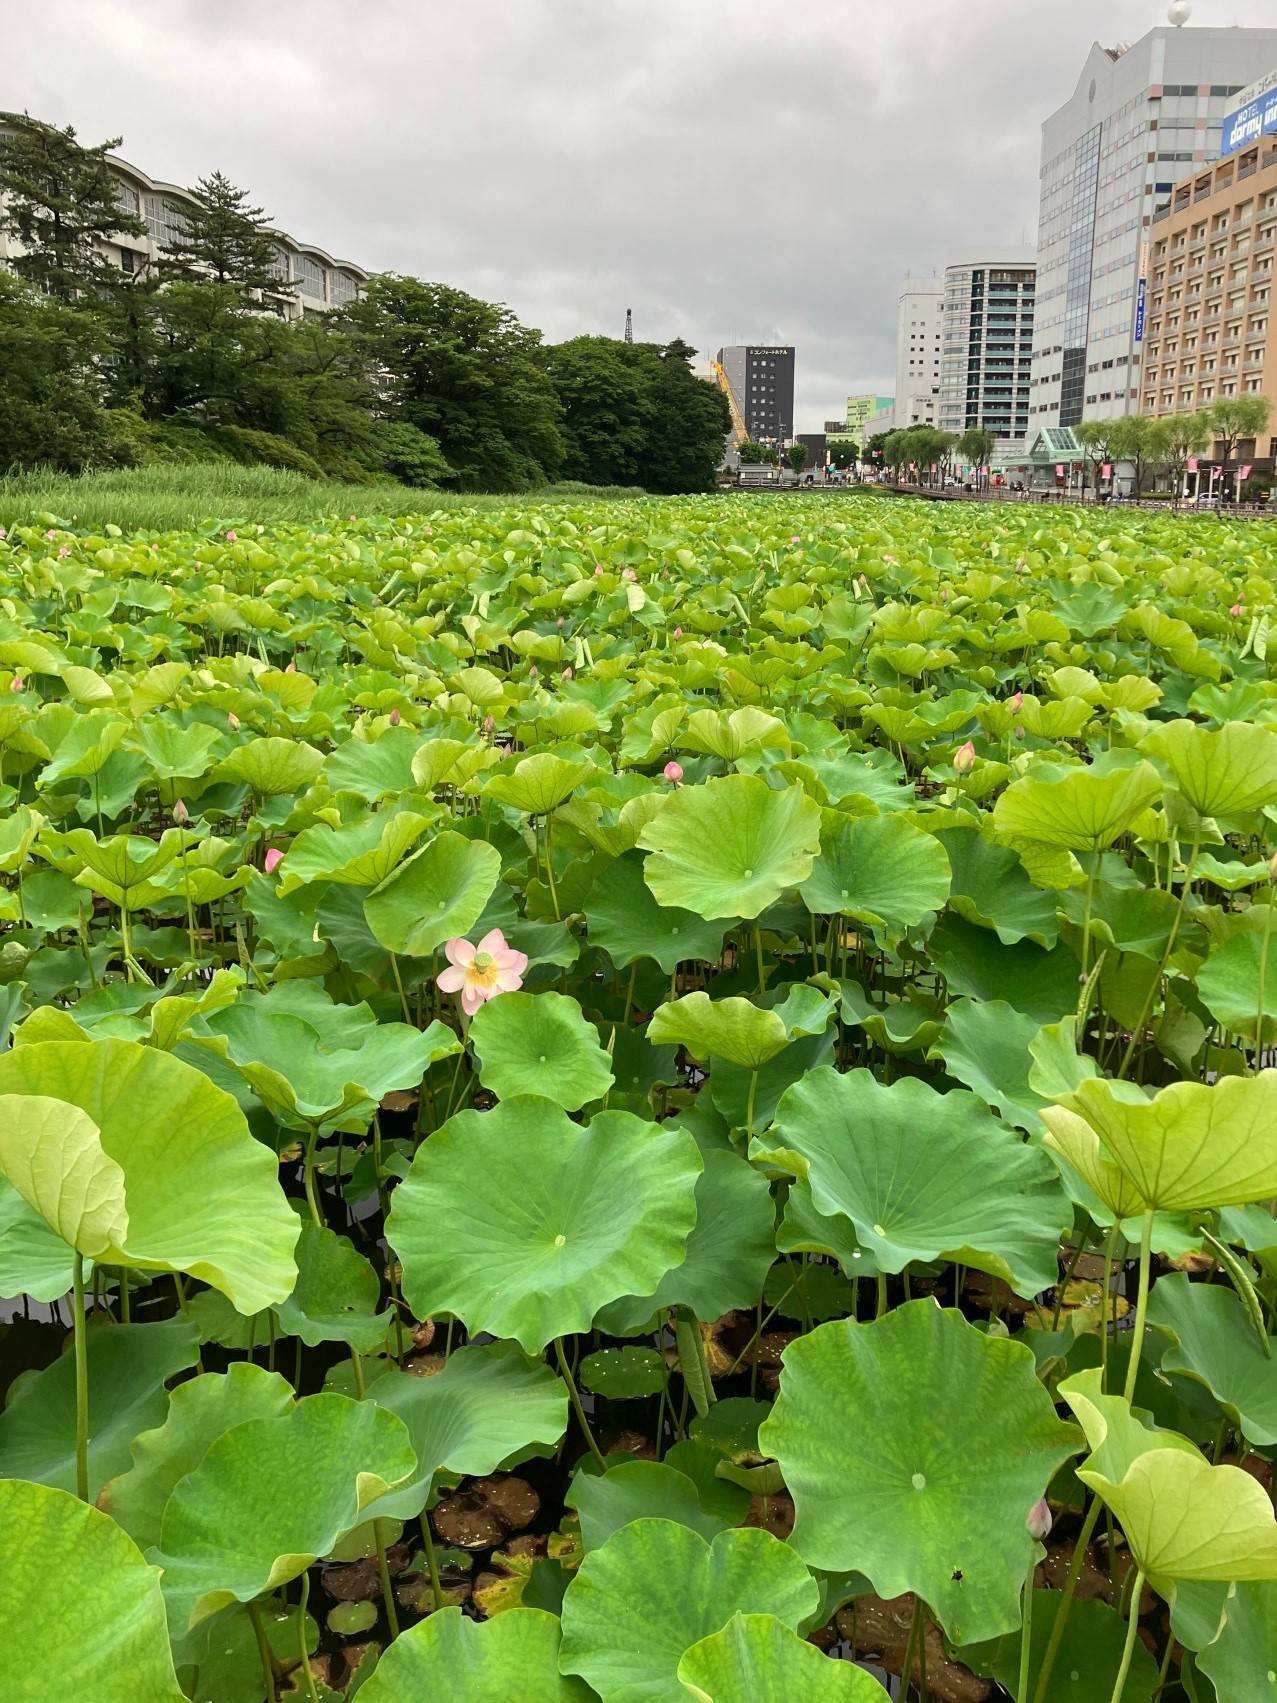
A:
{"x": 1141, "y": 116}
{"x": 919, "y": 323}
{"x": 987, "y": 348}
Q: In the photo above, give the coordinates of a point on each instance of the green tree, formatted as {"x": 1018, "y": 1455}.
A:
{"x": 977, "y": 445}
{"x": 843, "y": 453}
{"x": 688, "y": 425}
{"x": 50, "y": 408}
{"x": 62, "y": 202}
{"x": 1238, "y": 419}
{"x": 754, "y": 454}
{"x": 1094, "y": 437}
{"x": 224, "y": 239}
{"x": 466, "y": 373}
{"x": 1187, "y": 435}
{"x": 604, "y": 388}
{"x": 796, "y": 458}
{"x": 1142, "y": 441}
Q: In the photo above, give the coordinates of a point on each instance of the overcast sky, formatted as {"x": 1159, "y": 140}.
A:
{"x": 733, "y": 170}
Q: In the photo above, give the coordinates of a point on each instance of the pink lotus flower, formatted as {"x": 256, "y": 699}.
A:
{"x": 17, "y": 684}
{"x": 181, "y": 815}
{"x": 231, "y": 537}
{"x": 50, "y": 533}
{"x": 395, "y": 718}
{"x": 1016, "y": 703}
{"x": 63, "y": 551}
{"x": 794, "y": 538}
{"x": 479, "y": 973}
{"x": 489, "y": 722}
{"x": 274, "y": 857}
{"x": 1037, "y": 1522}
{"x": 567, "y": 673}
{"x": 629, "y": 574}
{"x": 232, "y": 721}
{"x": 1235, "y": 610}
{"x": 964, "y": 758}
{"x": 678, "y": 632}
{"x": 3, "y": 533}
{"x": 673, "y": 773}
{"x": 291, "y": 669}
{"x": 598, "y": 567}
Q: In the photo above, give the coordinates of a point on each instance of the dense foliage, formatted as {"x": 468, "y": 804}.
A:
{"x": 639, "y": 1100}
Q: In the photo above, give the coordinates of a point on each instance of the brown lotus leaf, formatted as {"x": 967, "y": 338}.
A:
{"x": 484, "y": 1513}
{"x": 425, "y": 1365}
{"x": 632, "y": 1443}
{"x": 879, "y": 1630}
{"x": 991, "y": 1294}
{"x": 774, "y": 1514}
{"x": 423, "y": 1333}
{"x": 360, "y": 1581}
{"x": 501, "y": 1585}
{"x": 415, "y": 1591}
{"x": 400, "y": 1100}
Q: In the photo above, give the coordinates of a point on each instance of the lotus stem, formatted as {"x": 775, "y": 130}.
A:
{"x": 549, "y": 870}
{"x": 1132, "y": 1630}
{"x": 383, "y": 1573}
{"x": 403, "y": 997}
{"x": 1110, "y": 1247}
{"x": 758, "y": 953}
{"x": 81, "y": 1379}
{"x": 1086, "y": 916}
{"x": 882, "y": 1295}
{"x": 1080, "y": 1545}
{"x": 1137, "y": 1028}
{"x": 1141, "y": 1303}
{"x": 574, "y": 1396}
{"x": 749, "y": 1107}
{"x": 263, "y": 1650}
{"x": 1263, "y": 967}
{"x": 307, "y": 1674}
{"x": 432, "y": 1560}
{"x": 308, "y": 1176}
{"x": 1026, "y": 1628}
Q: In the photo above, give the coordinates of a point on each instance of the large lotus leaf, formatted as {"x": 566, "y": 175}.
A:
{"x": 1084, "y": 808}
{"x": 128, "y": 1368}
{"x": 437, "y": 895}
{"x": 1241, "y": 1660}
{"x": 921, "y": 1175}
{"x": 485, "y": 1405}
{"x": 1129, "y": 919}
{"x": 52, "y": 1154}
{"x": 201, "y": 1194}
{"x": 626, "y": 921}
{"x": 1090, "y": 1177}
{"x": 736, "y": 1029}
{"x": 728, "y": 1252}
{"x": 272, "y": 767}
{"x": 538, "y": 784}
{"x": 985, "y": 1044}
{"x": 1182, "y": 1517}
{"x": 33, "y": 1259}
{"x": 669, "y": 1589}
{"x": 374, "y": 768}
{"x": 889, "y": 1478}
{"x": 756, "y": 1658}
{"x": 638, "y": 1490}
{"x": 1213, "y": 1342}
{"x": 336, "y": 1295}
{"x": 880, "y": 870}
{"x": 974, "y": 962}
{"x": 1231, "y": 989}
{"x": 731, "y": 847}
{"x": 1089, "y": 1654}
{"x": 991, "y": 887}
{"x": 272, "y": 1495}
{"x": 514, "y": 1655}
{"x": 1192, "y": 1146}
{"x": 540, "y": 1043}
{"x": 199, "y": 1412}
{"x": 83, "y": 1613}
{"x": 1225, "y": 771}
{"x": 524, "y": 1223}
{"x": 358, "y": 854}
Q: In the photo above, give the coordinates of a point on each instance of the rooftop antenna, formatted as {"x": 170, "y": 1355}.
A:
{"x": 1178, "y": 13}
{"x": 629, "y": 325}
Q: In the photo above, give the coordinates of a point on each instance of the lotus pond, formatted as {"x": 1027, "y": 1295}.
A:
{"x": 641, "y": 1101}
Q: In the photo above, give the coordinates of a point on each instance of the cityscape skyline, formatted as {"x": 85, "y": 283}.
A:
{"x": 958, "y": 107}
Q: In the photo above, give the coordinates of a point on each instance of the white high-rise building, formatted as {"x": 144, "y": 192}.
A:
{"x": 987, "y": 351}
{"x": 1141, "y": 116}
{"x": 919, "y": 322}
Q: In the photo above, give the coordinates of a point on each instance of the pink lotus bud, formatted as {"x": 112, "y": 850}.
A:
{"x": 1016, "y": 703}
{"x": 567, "y": 673}
{"x": 231, "y": 537}
{"x": 1037, "y": 1521}
{"x": 964, "y": 758}
{"x": 678, "y": 632}
{"x": 274, "y": 858}
{"x": 560, "y": 623}
{"x": 395, "y": 718}
{"x": 507, "y": 750}
{"x": 63, "y": 551}
{"x": 533, "y": 671}
{"x": 1235, "y": 610}
{"x": 17, "y": 684}
{"x": 489, "y": 722}
{"x": 673, "y": 773}
{"x": 629, "y": 574}
{"x": 598, "y": 567}
{"x": 3, "y": 533}
{"x": 291, "y": 669}
{"x": 945, "y": 594}
{"x": 794, "y": 538}
{"x": 50, "y": 533}
{"x": 232, "y": 721}
{"x": 181, "y": 815}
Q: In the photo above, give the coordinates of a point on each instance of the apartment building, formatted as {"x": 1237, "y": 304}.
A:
{"x": 919, "y": 322}
{"x": 1210, "y": 287}
{"x": 1141, "y": 116}
{"x": 987, "y": 349}
{"x": 319, "y": 280}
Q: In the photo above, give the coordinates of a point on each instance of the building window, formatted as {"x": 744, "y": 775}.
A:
{"x": 165, "y": 220}
{"x": 312, "y": 278}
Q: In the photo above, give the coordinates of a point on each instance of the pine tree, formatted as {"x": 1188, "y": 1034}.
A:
{"x": 225, "y": 240}
{"x": 61, "y": 201}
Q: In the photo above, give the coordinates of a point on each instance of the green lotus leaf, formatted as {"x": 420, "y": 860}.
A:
{"x": 336, "y": 1295}
{"x": 1182, "y": 1517}
{"x": 623, "y": 1373}
{"x": 485, "y": 1405}
{"x": 921, "y": 1175}
{"x": 638, "y": 1490}
{"x": 537, "y": 784}
{"x": 880, "y": 870}
{"x": 201, "y": 1195}
{"x": 757, "y": 1657}
{"x": 626, "y": 921}
{"x": 736, "y": 1029}
{"x": 272, "y": 1495}
{"x": 524, "y": 1223}
{"x": 985, "y": 1044}
{"x": 437, "y": 895}
{"x": 34, "y": 1260}
{"x": 539, "y": 1043}
{"x": 84, "y": 1617}
{"x": 731, "y": 847}
{"x": 1089, "y": 1655}
{"x": 1243, "y": 1653}
{"x": 374, "y": 768}
{"x": 974, "y": 962}
{"x": 729, "y": 1251}
{"x": 889, "y": 1480}
{"x": 1087, "y": 1173}
{"x": 272, "y": 767}
{"x": 1129, "y": 919}
{"x": 1225, "y": 771}
{"x": 359, "y": 854}
{"x": 991, "y": 887}
{"x": 199, "y": 1412}
{"x": 52, "y": 1155}
{"x": 517, "y": 1652}
{"x": 128, "y": 1368}
{"x": 175, "y": 753}
{"x": 1213, "y": 1342}
{"x": 1083, "y": 809}
{"x": 1192, "y": 1145}
{"x": 1231, "y": 985}
{"x": 670, "y": 1588}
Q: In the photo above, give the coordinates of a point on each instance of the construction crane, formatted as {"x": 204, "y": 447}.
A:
{"x": 629, "y": 325}
{"x": 740, "y": 433}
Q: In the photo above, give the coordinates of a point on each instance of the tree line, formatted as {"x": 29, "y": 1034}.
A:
{"x": 190, "y": 357}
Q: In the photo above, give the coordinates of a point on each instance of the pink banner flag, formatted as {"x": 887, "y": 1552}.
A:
{"x": 1059, "y": 470}
{"x": 1191, "y": 464}
{"x": 1244, "y": 472}
{"x": 1106, "y": 470}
